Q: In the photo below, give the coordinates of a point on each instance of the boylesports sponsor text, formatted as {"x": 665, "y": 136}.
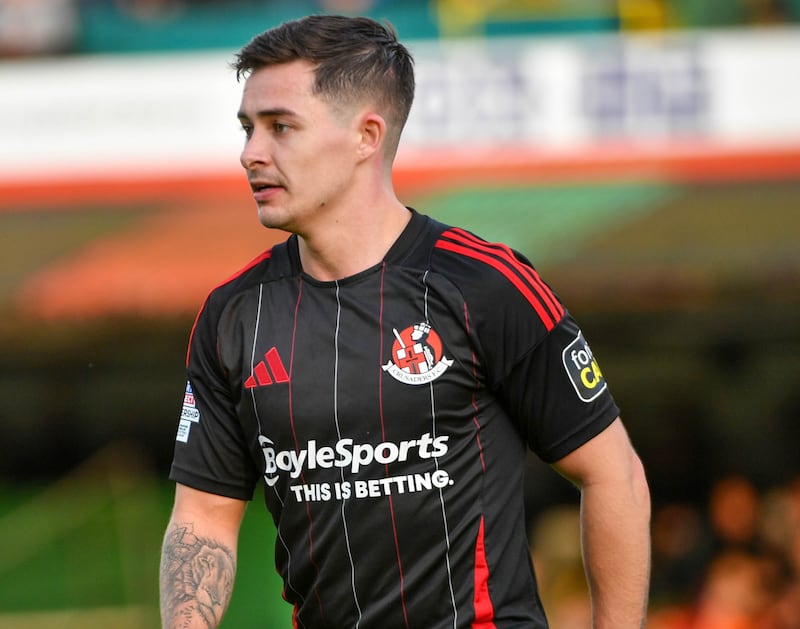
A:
{"x": 346, "y": 454}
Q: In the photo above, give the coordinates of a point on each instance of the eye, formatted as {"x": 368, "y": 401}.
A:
{"x": 247, "y": 129}
{"x": 280, "y": 127}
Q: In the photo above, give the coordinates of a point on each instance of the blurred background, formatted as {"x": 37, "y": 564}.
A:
{"x": 645, "y": 154}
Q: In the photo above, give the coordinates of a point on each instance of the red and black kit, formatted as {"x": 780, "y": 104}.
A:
{"x": 387, "y": 416}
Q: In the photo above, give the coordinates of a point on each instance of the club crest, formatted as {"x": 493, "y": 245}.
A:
{"x": 417, "y": 355}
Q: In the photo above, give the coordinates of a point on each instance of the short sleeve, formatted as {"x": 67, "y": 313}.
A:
{"x": 210, "y": 449}
{"x": 557, "y": 393}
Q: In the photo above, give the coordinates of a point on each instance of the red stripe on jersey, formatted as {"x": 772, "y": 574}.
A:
{"x": 482, "y": 600}
{"x": 536, "y": 295}
{"x": 504, "y": 253}
{"x": 264, "y": 256}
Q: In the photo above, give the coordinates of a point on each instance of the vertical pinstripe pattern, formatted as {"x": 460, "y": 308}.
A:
{"x": 383, "y": 437}
{"x": 436, "y": 464}
{"x": 339, "y": 436}
{"x": 311, "y": 559}
{"x": 257, "y": 325}
{"x": 253, "y": 354}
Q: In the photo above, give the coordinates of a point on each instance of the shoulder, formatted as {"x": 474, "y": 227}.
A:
{"x": 267, "y": 266}
{"x": 494, "y": 276}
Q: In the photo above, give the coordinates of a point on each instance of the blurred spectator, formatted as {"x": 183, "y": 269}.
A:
{"x": 37, "y": 27}
{"x": 735, "y": 565}
{"x": 779, "y": 524}
{"x": 752, "y": 578}
{"x": 734, "y": 512}
{"x": 738, "y": 593}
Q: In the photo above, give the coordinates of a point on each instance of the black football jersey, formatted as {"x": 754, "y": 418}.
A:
{"x": 387, "y": 416}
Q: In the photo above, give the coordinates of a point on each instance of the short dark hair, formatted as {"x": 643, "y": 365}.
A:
{"x": 356, "y": 59}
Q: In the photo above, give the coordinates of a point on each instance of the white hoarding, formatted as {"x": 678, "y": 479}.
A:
{"x": 151, "y": 114}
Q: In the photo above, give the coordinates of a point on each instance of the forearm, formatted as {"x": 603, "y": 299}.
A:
{"x": 198, "y": 559}
{"x": 196, "y": 578}
{"x": 616, "y": 549}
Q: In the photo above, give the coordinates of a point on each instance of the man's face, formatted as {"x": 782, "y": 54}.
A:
{"x": 300, "y": 152}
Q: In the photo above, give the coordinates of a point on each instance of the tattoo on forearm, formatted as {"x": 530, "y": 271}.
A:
{"x": 196, "y": 578}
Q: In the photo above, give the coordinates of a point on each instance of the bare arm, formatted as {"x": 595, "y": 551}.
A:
{"x": 615, "y": 526}
{"x": 198, "y": 559}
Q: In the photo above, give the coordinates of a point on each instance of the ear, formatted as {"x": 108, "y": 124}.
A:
{"x": 372, "y": 134}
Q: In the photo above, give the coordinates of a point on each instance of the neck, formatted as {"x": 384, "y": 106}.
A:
{"x": 353, "y": 241}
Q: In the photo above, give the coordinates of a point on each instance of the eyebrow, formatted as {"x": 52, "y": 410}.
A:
{"x": 268, "y": 113}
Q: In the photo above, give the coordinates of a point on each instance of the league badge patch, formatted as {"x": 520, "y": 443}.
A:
{"x": 189, "y": 414}
{"x": 417, "y": 355}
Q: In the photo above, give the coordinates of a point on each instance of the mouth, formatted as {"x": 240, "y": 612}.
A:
{"x": 263, "y": 190}
{"x": 259, "y": 186}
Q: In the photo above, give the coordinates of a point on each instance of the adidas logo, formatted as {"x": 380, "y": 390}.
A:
{"x": 261, "y": 373}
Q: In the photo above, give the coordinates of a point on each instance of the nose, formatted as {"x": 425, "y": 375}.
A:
{"x": 255, "y": 152}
